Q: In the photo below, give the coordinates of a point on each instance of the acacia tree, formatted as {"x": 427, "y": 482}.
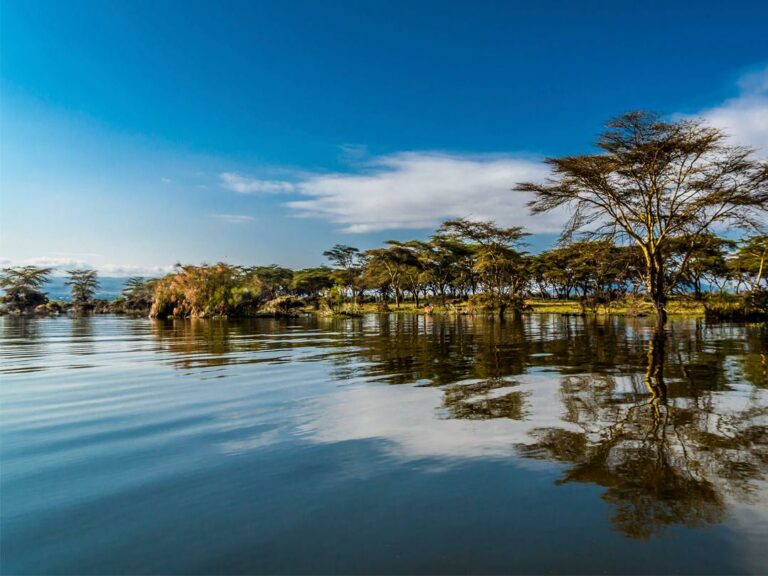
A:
{"x": 273, "y": 279}
{"x": 395, "y": 262}
{"x": 312, "y": 282}
{"x": 750, "y": 259}
{"x": 84, "y": 283}
{"x": 415, "y": 269}
{"x": 501, "y": 269}
{"x": 23, "y": 286}
{"x": 138, "y": 293}
{"x": 653, "y": 181}
{"x": 347, "y": 259}
{"x": 706, "y": 261}
{"x": 440, "y": 259}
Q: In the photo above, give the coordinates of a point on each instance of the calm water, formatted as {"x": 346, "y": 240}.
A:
{"x": 383, "y": 445}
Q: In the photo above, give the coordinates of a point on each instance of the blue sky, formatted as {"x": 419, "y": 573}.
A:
{"x": 137, "y": 134}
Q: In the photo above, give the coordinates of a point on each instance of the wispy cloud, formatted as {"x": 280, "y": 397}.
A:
{"x": 246, "y": 185}
{"x": 352, "y": 153}
{"x": 745, "y": 118}
{"x": 416, "y": 190}
{"x": 233, "y": 218}
{"x": 419, "y": 190}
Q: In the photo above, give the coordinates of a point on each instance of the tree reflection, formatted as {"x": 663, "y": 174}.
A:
{"x": 671, "y": 423}
{"x": 484, "y": 400}
{"x": 662, "y": 462}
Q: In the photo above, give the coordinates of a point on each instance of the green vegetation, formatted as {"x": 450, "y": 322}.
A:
{"x": 205, "y": 291}
{"x": 84, "y": 283}
{"x": 23, "y": 288}
{"x": 640, "y": 241}
{"x": 660, "y": 186}
{"x": 465, "y": 268}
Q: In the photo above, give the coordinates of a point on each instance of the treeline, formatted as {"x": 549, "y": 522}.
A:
{"x": 475, "y": 263}
{"x": 642, "y": 209}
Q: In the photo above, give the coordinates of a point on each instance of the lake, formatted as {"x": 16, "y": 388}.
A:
{"x": 383, "y": 444}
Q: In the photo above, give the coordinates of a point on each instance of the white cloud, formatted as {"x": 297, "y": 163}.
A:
{"x": 62, "y": 263}
{"x": 420, "y": 190}
{"x": 245, "y": 185}
{"x": 745, "y": 118}
{"x": 233, "y": 218}
{"x": 405, "y": 416}
{"x": 416, "y": 190}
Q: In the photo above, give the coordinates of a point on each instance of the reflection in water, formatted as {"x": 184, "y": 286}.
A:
{"x": 484, "y": 400}
{"x": 662, "y": 462}
{"x": 666, "y": 453}
{"x": 670, "y": 426}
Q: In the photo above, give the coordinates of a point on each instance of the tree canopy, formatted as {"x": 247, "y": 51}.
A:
{"x": 653, "y": 181}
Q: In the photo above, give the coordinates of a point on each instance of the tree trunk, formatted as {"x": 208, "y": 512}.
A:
{"x": 656, "y": 283}
{"x": 697, "y": 294}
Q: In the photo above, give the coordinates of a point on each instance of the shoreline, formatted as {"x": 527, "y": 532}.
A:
{"x": 681, "y": 307}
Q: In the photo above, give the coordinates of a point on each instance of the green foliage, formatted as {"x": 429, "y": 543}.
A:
{"x": 699, "y": 258}
{"x": 273, "y": 280}
{"x": 206, "y": 291}
{"x": 661, "y": 185}
{"x": 391, "y": 267}
{"x": 22, "y": 287}
{"x": 84, "y": 283}
{"x": 137, "y": 295}
{"x": 749, "y": 262}
{"x": 312, "y": 282}
{"x": 497, "y": 267}
{"x": 750, "y": 305}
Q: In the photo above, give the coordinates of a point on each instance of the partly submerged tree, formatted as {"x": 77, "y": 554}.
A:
{"x": 23, "y": 287}
{"x": 652, "y": 181}
{"x": 83, "y": 284}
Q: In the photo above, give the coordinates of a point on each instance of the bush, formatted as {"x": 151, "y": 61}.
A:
{"x": 206, "y": 291}
{"x": 752, "y": 305}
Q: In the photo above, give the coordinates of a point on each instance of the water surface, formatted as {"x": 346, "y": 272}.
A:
{"x": 386, "y": 444}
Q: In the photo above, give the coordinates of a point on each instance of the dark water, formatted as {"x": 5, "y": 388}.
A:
{"x": 383, "y": 445}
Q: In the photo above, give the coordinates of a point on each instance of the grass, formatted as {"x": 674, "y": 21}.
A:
{"x": 676, "y": 307}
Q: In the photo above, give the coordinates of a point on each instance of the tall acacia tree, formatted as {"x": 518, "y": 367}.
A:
{"x": 84, "y": 283}
{"x": 23, "y": 286}
{"x": 348, "y": 261}
{"x": 654, "y": 181}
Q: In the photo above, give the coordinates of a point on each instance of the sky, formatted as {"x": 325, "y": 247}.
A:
{"x": 134, "y": 135}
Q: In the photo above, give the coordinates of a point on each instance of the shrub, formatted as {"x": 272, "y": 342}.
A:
{"x": 752, "y": 305}
{"x": 206, "y": 291}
